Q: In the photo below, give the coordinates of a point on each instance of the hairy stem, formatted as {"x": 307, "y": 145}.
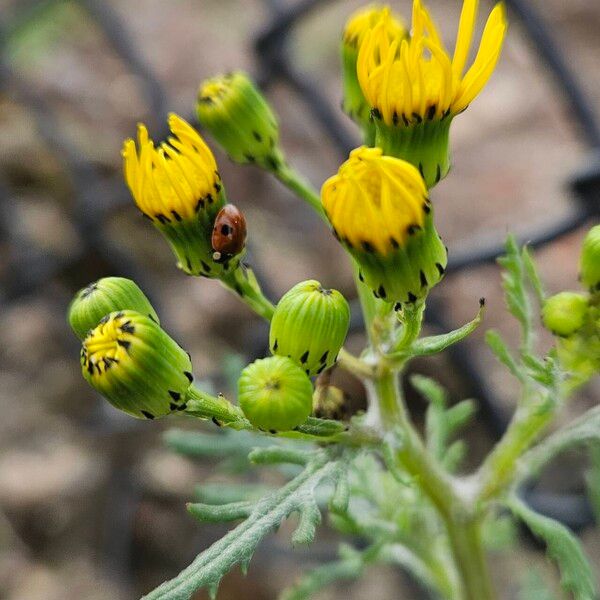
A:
{"x": 463, "y": 528}
{"x": 302, "y": 188}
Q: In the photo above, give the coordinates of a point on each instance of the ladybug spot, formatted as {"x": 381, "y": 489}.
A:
{"x": 225, "y": 229}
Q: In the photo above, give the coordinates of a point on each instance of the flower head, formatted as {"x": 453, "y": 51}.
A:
{"x": 379, "y": 209}
{"x": 131, "y": 361}
{"x": 175, "y": 180}
{"x": 407, "y": 81}
{"x": 375, "y": 202}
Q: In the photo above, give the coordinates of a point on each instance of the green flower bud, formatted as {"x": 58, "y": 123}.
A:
{"x": 177, "y": 187}
{"x": 589, "y": 263}
{"x": 136, "y": 366}
{"x": 379, "y": 209}
{"x": 104, "y": 296}
{"x": 239, "y": 117}
{"x": 328, "y": 402}
{"x": 310, "y": 325}
{"x": 565, "y": 313}
{"x": 275, "y": 394}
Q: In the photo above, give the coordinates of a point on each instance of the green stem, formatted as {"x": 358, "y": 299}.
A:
{"x": 465, "y": 539}
{"x": 498, "y": 469}
{"x": 412, "y": 321}
{"x": 244, "y": 283}
{"x": 463, "y": 528}
{"x": 297, "y": 184}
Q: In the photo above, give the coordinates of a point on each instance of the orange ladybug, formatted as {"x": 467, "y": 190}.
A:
{"x": 229, "y": 232}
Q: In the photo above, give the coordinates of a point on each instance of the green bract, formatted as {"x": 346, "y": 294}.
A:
{"x": 275, "y": 394}
{"x": 589, "y": 263}
{"x": 102, "y": 297}
{"x": 240, "y": 119}
{"x": 565, "y": 313}
{"x": 310, "y": 325}
{"x": 136, "y": 366}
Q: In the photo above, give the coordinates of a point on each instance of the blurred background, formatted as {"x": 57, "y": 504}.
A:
{"x": 91, "y": 501}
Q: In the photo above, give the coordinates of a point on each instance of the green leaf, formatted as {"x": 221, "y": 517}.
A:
{"x": 533, "y": 275}
{"x": 220, "y": 513}
{"x": 310, "y": 518}
{"x": 500, "y": 349}
{"x": 584, "y": 430}
{"x": 434, "y": 344}
{"x": 240, "y": 543}
{"x": 274, "y": 455}
{"x": 430, "y": 389}
{"x": 563, "y": 547}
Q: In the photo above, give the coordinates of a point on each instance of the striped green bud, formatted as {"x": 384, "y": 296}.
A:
{"x": 565, "y": 313}
{"x": 136, "y": 366}
{"x": 589, "y": 263}
{"x": 310, "y": 325}
{"x": 275, "y": 394}
{"x": 239, "y": 117}
{"x": 102, "y": 297}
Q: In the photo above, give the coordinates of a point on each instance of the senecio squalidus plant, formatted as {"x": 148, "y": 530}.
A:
{"x": 398, "y": 489}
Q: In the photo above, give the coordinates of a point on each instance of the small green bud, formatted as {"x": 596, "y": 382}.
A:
{"x": 565, "y": 313}
{"x": 589, "y": 262}
{"x": 239, "y": 117}
{"x": 275, "y": 394}
{"x": 310, "y": 325}
{"x": 329, "y": 402}
{"x": 102, "y": 297}
{"x": 136, "y": 366}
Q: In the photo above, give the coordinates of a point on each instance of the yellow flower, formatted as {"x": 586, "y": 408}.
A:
{"x": 175, "y": 180}
{"x": 357, "y": 27}
{"x": 415, "y": 79}
{"x": 375, "y": 201}
{"x": 178, "y": 187}
{"x": 379, "y": 209}
{"x": 366, "y": 18}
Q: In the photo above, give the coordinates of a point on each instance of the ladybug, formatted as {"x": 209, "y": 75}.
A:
{"x": 229, "y": 232}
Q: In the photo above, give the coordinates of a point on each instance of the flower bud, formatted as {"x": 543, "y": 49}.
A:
{"x": 275, "y": 394}
{"x": 102, "y": 297}
{"x": 565, "y": 313}
{"x": 328, "y": 402}
{"x": 310, "y": 325}
{"x": 136, "y": 366}
{"x": 177, "y": 186}
{"x": 589, "y": 263}
{"x": 358, "y": 25}
{"x": 380, "y": 212}
{"x": 239, "y": 117}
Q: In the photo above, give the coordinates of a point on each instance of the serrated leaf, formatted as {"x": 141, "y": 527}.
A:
{"x": 498, "y": 346}
{"x": 239, "y": 544}
{"x": 562, "y": 547}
